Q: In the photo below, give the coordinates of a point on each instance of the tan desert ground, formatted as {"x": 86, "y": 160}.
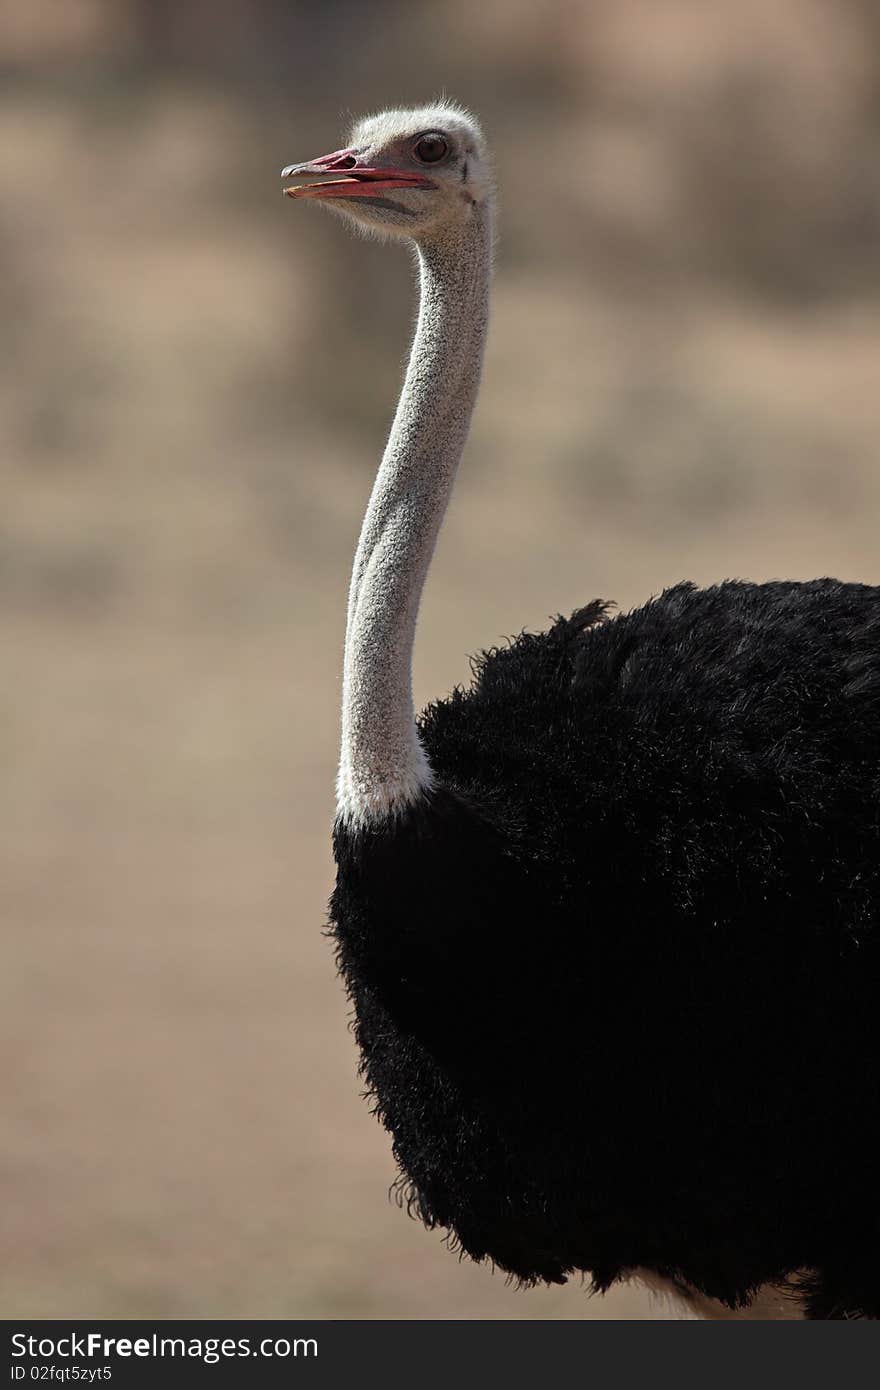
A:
{"x": 683, "y": 381}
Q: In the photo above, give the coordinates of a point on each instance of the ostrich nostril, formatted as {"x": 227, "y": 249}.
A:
{"x": 348, "y": 163}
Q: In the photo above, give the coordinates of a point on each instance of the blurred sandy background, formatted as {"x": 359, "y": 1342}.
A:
{"x": 683, "y": 380}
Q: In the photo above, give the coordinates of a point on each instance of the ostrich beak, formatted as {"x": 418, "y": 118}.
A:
{"x": 359, "y": 181}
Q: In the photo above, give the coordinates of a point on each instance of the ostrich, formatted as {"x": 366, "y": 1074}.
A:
{"x": 608, "y": 918}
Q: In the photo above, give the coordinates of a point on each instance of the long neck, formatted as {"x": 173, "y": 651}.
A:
{"x": 383, "y": 767}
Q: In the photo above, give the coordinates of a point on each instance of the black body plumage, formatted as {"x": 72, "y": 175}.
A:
{"x": 616, "y": 979}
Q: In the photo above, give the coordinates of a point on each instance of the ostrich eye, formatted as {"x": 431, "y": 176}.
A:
{"x": 431, "y": 148}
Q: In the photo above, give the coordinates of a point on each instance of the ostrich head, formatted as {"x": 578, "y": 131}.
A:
{"x": 405, "y": 173}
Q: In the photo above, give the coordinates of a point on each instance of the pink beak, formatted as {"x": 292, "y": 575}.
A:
{"x": 360, "y": 181}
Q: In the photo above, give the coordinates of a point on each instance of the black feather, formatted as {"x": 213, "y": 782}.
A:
{"x": 616, "y": 980}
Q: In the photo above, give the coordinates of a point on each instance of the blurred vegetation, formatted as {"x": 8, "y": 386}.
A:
{"x": 674, "y": 178}
{"x": 196, "y": 382}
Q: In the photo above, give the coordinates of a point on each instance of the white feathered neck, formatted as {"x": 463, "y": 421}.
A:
{"x": 383, "y": 767}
